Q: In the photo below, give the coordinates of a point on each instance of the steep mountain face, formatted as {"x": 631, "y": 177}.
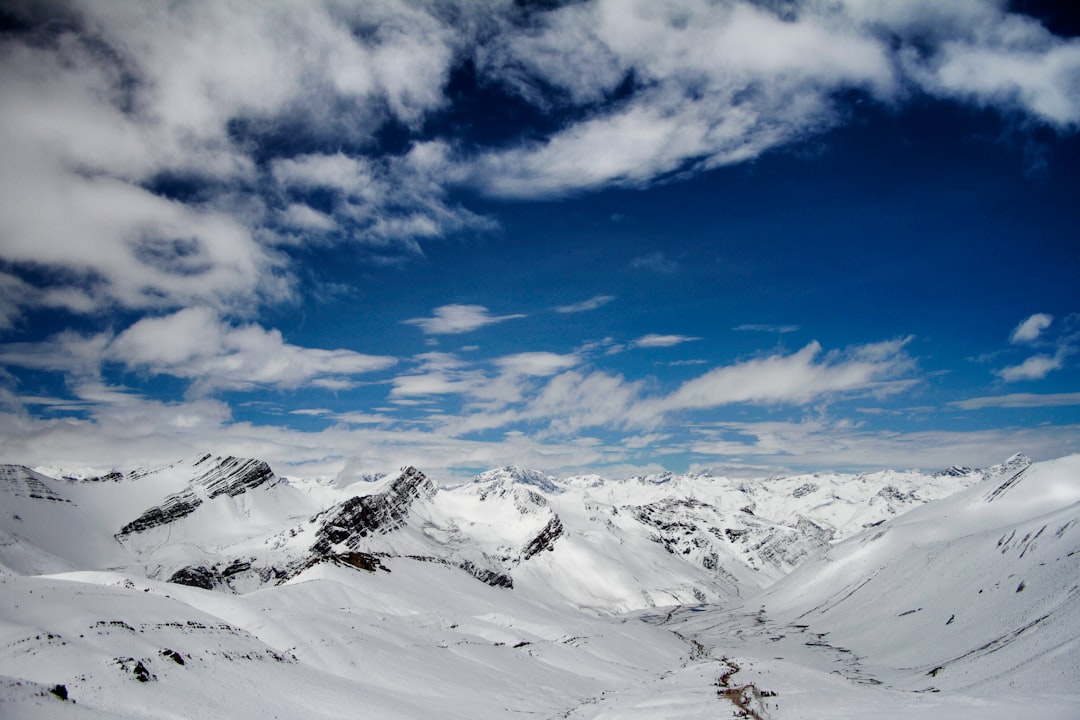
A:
{"x": 229, "y": 476}
{"x": 17, "y": 481}
{"x": 344, "y": 525}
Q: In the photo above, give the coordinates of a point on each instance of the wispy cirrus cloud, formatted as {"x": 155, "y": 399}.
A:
{"x": 652, "y": 340}
{"x": 1019, "y": 400}
{"x": 656, "y": 262}
{"x": 455, "y": 319}
{"x": 779, "y": 329}
{"x": 586, "y": 305}
{"x": 797, "y": 378}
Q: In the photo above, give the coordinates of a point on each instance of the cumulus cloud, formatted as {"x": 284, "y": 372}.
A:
{"x": 145, "y": 165}
{"x": 196, "y": 344}
{"x": 455, "y": 319}
{"x": 720, "y": 83}
{"x": 1035, "y": 367}
{"x": 1030, "y": 329}
{"x": 714, "y": 84}
{"x": 107, "y": 103}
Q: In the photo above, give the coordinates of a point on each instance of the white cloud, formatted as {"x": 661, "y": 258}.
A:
{"x": 1035, "y": 367}
{"x": 767, "y": 328}
{"x": 118, "y": 99}
{"x": 714, "y": 84}
{"x": 1019, "y": 400}
{"x": 653, "y": 340}
{"x": 655, "y": 262}
{"x": 537, "y": 364}
{"x": 196, "y": 344}
{"x": 586, "y": 305}
{"x": 798, "y": 378}
{"x": 124, "y": 94}
{"x": 824, "y": 444}
{"x": 719, "y": 83}
{"x": 454, "y": 319}
{"x": 1030, "y": 329}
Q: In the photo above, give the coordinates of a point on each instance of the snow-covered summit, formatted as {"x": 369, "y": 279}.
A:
{"x": 512, "y": 474}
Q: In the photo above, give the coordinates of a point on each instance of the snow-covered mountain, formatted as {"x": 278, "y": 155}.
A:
{"x": 609, "y": 546}
{"x": 215, "y": 571}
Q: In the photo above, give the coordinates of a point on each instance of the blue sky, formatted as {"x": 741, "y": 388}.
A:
{"x": 599, "y": 236}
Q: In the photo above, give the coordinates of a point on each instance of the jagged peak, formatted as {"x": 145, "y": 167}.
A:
{"x": 520, "y": 476}
{"x": 1013, "y": 464}
{"x": 955, "y": 471}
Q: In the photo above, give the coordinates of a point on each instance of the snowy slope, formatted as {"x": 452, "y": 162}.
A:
{"x": 332, "y": 643}
{"x": 507, "y": 594}
{"x": 980, "y": 589}
{"x": 967, "y": 607}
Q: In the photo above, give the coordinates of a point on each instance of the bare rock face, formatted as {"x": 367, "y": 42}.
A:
{"x": 545, "y": 539}
{"x": 174, "y": 508}
{"x": 21, "y": 481}
{"x": 218, "y": 476}
{"x": 364, "y": 515}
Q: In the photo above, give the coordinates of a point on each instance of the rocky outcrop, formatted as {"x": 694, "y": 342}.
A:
{"x": 174, "y": 508}
{"x": 545, "y": 539}
{"x": 232, "y": 476}
{"x": 227, "y": 576}
{"x": 21, "y": 481}
{"x": 345, "y": 524}
{"x": 228, "y": 476}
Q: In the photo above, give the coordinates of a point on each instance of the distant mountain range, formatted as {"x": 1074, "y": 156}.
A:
{"x": 963, "y": 580}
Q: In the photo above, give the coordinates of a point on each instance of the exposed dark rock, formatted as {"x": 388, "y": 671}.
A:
{"x": 804, "y": 490}
{"x": 361, "y": 561}
{"x": 233, "y": 476}
{"x": 174, "y": 508}
{"x": 136, "y": 668}
{"x": 218, "y": 576}
{"x": 199, "y": 577}
{"x": 954, "y": 471}
{"x": 545, "y": 539}
{"x": 891, "y": 493}
{"x": 21, "y": 481}
{"x": 173, "y": 655}
{"x": 220, "y": 476}
{"x": 512, "y": 474}
{"x": 114, "y": 476}
{"x": 384, "y": 512}
{"x": 59, "y": 691}
{"x": 487, "y": 575}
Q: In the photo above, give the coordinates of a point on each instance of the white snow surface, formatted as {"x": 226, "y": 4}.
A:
{"x": 891, "y": 594}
